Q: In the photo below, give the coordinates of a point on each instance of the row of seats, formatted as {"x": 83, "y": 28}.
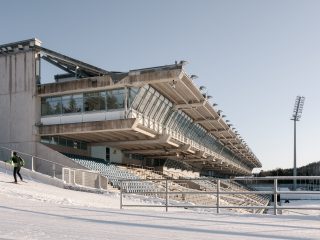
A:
{"x": 235, "y": 199}
{"x": 116, "y": 173}
{"x": 113, "y": 173}
{"x": 170, "y": 163}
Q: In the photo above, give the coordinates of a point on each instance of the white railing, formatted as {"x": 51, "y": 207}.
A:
{"x": 84, "y": 178}
{"x": 81, "y": 177}
{"x": 219, "y": 192}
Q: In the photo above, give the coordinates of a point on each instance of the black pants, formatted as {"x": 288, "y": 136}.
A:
{"x": 16, "y": 170}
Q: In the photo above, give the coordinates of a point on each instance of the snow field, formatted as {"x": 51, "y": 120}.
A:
{"x": 37, "y": 211}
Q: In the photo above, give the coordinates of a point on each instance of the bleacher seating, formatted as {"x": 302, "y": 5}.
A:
{"x": 170, "y": 163}
{"x": 210, "y": 184}
{"x": 204, "y": 184}
{"x": 113, "y": 173}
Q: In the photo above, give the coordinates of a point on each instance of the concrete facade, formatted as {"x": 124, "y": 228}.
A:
{"x": 19, "y": 103}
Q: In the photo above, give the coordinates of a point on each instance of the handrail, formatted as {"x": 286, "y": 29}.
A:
{"x": 276, "y": 177}
{"x": 219, "y": 191}
{"x": 58, "y": 164}
{"x": 32, "y": 156}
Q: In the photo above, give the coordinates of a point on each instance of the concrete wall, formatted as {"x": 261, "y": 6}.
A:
{"x": 98, "y": 152}
{"x": 64, "y": 149}
{"x": 19, "y": 104}
{"x": 54, "y": 156}
{"x": 20, "y": 110}
{"x": 116, "y": 155}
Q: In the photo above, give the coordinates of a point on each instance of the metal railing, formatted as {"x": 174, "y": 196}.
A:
{"x": 31, "y": 159}
{"x": 219, "y": 192}
{"x": 76, "y": 177}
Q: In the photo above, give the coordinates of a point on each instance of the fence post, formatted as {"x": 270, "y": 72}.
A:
{"x": 54, "y": 170}
{"x": 32, "y": 163}
{"x": 218, "y": 196}
{"x": 275, "y": 196}
{"x": 99, "y": 181}
{"x": 121, "y": 194}
{"x": 62, "y": 177}
{"x": 167, "y": 195}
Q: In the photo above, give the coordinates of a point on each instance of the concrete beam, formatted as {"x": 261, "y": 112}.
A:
{"x": 144, "y": 132}
{"x": 189, "y": 105}
{"x": 153, "y": 76}
{"x": 225, "y": 138}
{"x": 206, "y": 120}
{"x": 86, "y": 127}
{"x": 194, "y": 160}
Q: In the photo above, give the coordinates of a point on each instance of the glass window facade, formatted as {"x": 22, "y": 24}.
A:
{"x": 95, "y": 101}
{"x": 72, "y": 103}
{"x": 51, "y": 106}
{"x": 115, "y": 99}
{"x": 87, "y": 102}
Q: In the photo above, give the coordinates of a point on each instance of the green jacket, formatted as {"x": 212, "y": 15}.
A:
{"x": 17, "y": 161}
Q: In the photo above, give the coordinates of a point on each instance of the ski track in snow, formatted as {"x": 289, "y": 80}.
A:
{"x": 37, "y": 211}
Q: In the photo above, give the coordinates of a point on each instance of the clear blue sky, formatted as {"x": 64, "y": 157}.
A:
{"x": 254, "y": 57}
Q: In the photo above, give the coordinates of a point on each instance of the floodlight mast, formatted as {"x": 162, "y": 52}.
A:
{"x": 297, "y": 111}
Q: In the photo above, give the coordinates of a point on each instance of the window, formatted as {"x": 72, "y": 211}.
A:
{"x": 133, "y": 91}
{"x": 72, "y": 103}
{"x": 50, "y": 106}
{"x": 145, "y": 101}
{"x": 95, "y": 101}
{"x": 108, "y": 154}
{"x": 115, "y": 99}
{"x": 139, "y": 97}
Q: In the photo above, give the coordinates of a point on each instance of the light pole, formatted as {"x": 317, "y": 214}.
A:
{"x": 297, "y": 111}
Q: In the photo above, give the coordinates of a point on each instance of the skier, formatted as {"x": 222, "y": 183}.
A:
{"x": 17, "y": 162}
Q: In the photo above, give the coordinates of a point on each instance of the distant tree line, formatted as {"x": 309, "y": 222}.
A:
{"x": 312, "y": 169}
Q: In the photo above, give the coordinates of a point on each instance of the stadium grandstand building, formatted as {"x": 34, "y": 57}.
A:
{"x": 154, "y": 117}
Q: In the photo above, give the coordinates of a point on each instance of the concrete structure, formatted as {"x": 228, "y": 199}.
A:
{"x": 144, "y": 116}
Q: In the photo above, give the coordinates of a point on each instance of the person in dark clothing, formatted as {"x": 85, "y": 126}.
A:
{"x": 17, "y": 163}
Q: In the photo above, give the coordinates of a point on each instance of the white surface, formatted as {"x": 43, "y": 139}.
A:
{"x": 37, "y": 211}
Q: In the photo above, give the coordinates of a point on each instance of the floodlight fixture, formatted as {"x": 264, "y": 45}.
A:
{"x": 296, "y": 115}
{"x": 214, "y": 104}
{"x": 298, "y": 107}
{"x": 193, "y": 77}
{"x": 201, "y": 88}
{"x": 183, "y": 62}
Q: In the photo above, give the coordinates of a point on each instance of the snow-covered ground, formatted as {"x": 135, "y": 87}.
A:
{"x": 37, "y": 211}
